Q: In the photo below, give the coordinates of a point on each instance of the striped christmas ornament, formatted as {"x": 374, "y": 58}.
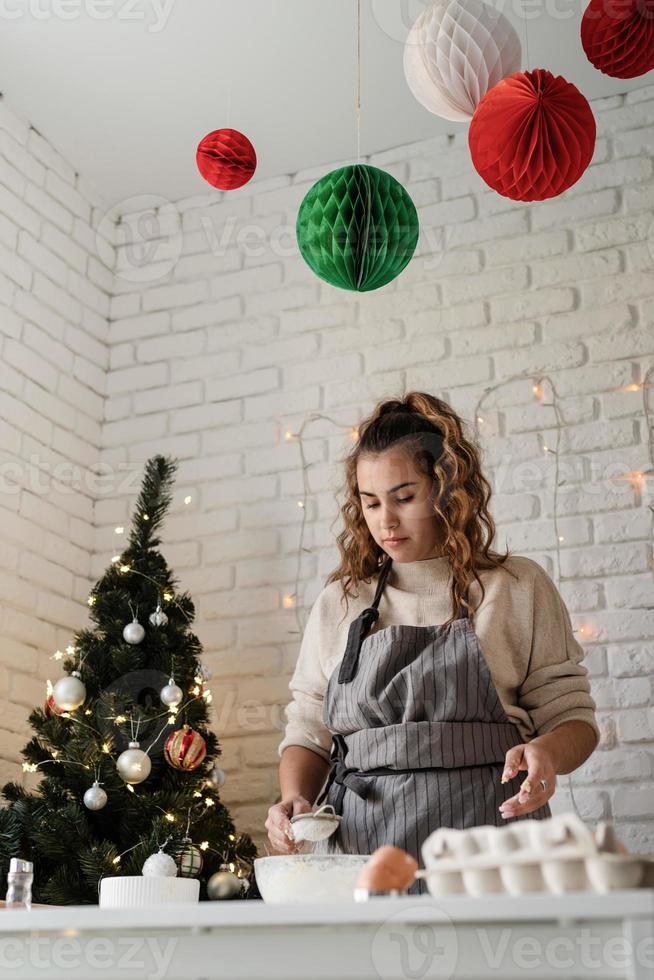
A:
{"x": 185, "y": 749}
{"x": 188, "y": 859}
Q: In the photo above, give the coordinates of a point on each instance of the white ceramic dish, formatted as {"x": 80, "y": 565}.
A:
{"x": 135, "y": 891}
{"x": 283, "y": 878}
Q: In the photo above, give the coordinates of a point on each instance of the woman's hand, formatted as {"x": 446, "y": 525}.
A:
{"x": 278, "y": 823}
{"x": 539, "y": 763}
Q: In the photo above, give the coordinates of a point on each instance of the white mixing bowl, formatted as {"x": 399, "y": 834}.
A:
{"x": 283, "y": 878}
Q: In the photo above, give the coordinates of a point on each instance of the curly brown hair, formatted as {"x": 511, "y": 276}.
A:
{"x": 431, "y": 433}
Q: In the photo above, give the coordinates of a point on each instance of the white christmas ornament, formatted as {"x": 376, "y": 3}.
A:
{"x": 189, "y": 859}
{"x": 95, "y": 797}
{"x": 158, "y": 617}
{"x": 159, "y": 865}
{"x": 171, "y": 695}
{"x": 133, "y": 632}
{"x": 69, "y": 692}
{"x": 133, "y": 764}
{"x": 455, "y": 52}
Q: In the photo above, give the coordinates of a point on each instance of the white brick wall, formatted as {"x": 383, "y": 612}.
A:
{"x": 221, "y": 340}
{"x": 54, "y": 358}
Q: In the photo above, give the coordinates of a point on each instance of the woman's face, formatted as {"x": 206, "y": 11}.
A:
{"x": 397, "y": 502}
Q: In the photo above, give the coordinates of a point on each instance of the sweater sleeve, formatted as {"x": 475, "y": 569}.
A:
{"x": 556, "y": 688}
{"x": 307, "y": 685}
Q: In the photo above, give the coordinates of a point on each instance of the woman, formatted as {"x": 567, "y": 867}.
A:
{"x": 455, "y": 670}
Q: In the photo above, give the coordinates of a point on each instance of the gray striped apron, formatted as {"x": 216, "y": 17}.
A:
{"x": 419, "y": 737}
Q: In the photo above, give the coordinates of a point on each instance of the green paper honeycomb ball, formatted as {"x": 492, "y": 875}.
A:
{"x": 357, "y": 228}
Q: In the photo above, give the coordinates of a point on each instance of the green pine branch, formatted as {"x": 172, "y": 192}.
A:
{"x": 152, "y": 503}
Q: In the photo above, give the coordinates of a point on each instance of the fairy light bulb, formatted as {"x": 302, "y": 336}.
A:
{"x": 288, "y": 435}
{"x": 288, "y": 601}
{"x": 187, "y": 500}
{"x": 119, "y": 530}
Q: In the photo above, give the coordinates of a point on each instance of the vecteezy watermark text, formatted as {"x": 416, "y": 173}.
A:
{"x": 150, "y": 956}
{"x": 154, "y": 13}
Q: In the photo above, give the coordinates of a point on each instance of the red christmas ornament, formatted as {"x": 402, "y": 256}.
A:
{"x": 532, "y": 136}
{"x": 51, "y": 708}
{"x": 226, "y": 159}
{"x": 618, "y": 36}
{"x": 185, "y": 748}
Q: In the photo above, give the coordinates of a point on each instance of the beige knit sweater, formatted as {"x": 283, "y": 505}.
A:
{"x": 522, "y": 625}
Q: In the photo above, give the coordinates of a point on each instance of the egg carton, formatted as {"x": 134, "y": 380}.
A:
{"x": 556, "y": 855}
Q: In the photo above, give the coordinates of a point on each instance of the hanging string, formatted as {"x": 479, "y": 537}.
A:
{"x": 529, "y": 65}
{"x": 358, "y": 106}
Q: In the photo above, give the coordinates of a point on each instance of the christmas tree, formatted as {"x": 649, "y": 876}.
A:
{"x": 128, "y": 762}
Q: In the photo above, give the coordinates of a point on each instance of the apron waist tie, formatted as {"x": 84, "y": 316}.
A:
{"x": 350, "y": 777}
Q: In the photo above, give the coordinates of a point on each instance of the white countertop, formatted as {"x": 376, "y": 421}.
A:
{"x": 576, "y": 906}
{"x": 576, "y": 936}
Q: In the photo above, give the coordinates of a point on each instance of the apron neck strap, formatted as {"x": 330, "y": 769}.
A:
{"x": 383, "y": 575}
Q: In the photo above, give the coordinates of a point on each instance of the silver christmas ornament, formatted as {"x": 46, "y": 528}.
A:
{"x": 133, "y": 764}
{"x": 159, "y": 865}
{"x": 95, "y": 797}
{"x": 217, "y": 776}
{"x": 171, "y": 695}
{"x": 158, "y": 617}
{"x": 223, "y": 885}
{"x": 133, "y": 632}
{"x": 69, "y": 692}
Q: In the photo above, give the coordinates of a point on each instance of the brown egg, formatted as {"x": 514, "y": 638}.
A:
{"x": 389, "y": 868}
